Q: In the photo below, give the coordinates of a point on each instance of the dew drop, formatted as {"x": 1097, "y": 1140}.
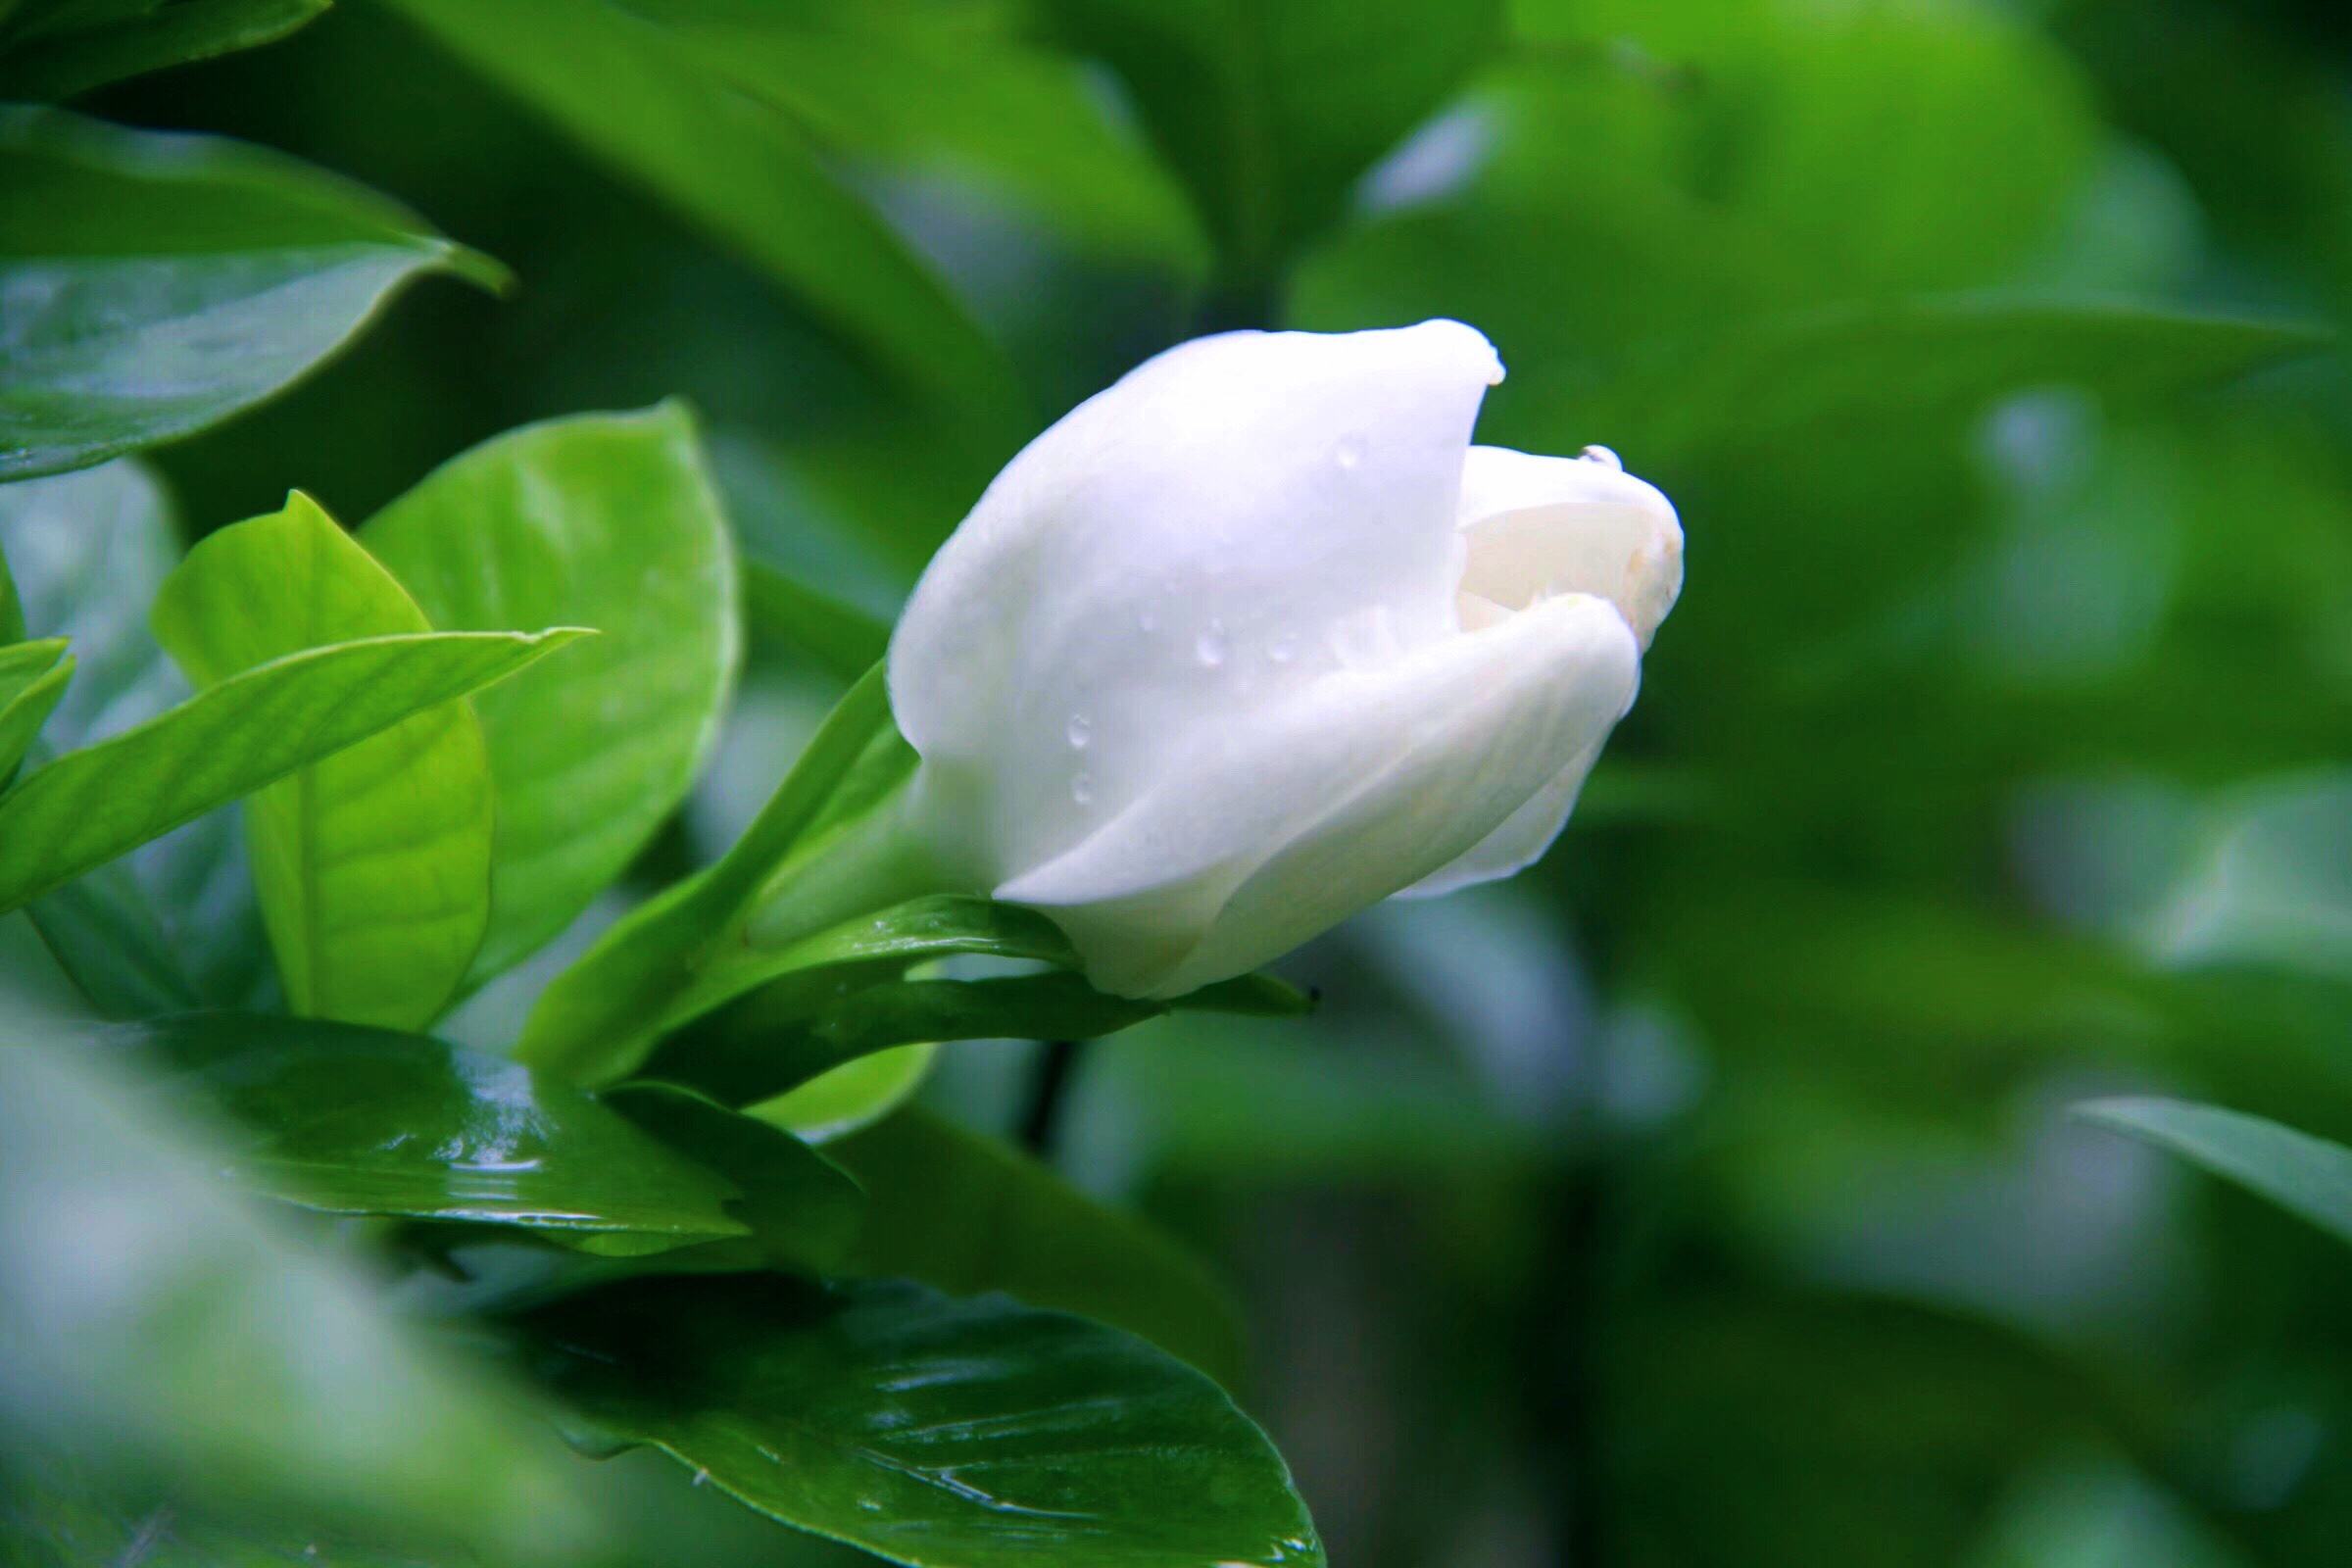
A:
{"x": 1602, "y": 456}
{"x": 1081, "y": 730}
{"x": 1082, "y": 789}
{"x": 1210, "y": 645}
{"x": 1349, "y": 453}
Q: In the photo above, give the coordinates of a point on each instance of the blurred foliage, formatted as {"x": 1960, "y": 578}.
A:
{"x": 1707, "y": 1195}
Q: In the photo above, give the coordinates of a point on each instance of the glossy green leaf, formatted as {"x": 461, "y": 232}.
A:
{"x": 52, "y": 49}
{"x": 2302, "y": 1174}
{"x": 967, "y": 1214}
{"x": 802, "y": 1209}
{"x": 596, "y": 1020}
{"x": 933, "y": 1432}
{"x": 853, "y": 1096}
{"x": 787, "y": 1034}
{"x": 369, "y": 1121}
{"x": 32, "y": 678}
{"x": 159, "y": 283}
{"x": 1270, "y": 111}
{"x": 636, "y": 96}
{"x": 212, "y": 1349}
{"x": 610, "y": 521}
{"x": 373, "y": 864}
{"x": 250, "y": 730}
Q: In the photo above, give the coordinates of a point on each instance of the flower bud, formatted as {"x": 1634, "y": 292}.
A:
{"x": 1257, "y": 638}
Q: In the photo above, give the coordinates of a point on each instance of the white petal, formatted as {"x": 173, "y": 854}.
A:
{"x": 1295, "y": 815}
{"x": 1231, "y": 522}
{"x": 1548, "y": 525}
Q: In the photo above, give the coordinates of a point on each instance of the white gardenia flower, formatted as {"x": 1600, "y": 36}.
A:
{"x": 1257, "y": 638}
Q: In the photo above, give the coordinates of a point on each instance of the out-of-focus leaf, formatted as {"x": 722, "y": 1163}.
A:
{"x": 250, "y": 730}
{"x": 774, "y": 1040}
{"x": 609, "y": 521}
{"x": 32, "y": 678}
{"x": 369, "y": 1121}
{"x": 949, "y": 1434}
{"x": 147, "y": 1310}
{"x": 373, "y": 864}
{"x": 1270, "y": 111}
{"x": 12, "y": 608}
{"x": 160, "y": 284}
{"x": 52, "y": 49}
{"x": 596, "y": 1020}
{"x": 912, "y": 92}
{"x": 841, "y": 638}
{"x": 177, "y": 924}
{"x": 968, "y": 1214}
{"x": 2302, "y": 1174}
{"x": 636, "y": 96}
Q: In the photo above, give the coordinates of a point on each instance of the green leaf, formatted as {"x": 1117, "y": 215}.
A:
{"x": 787, "y": 1034}
{"x": 853, "y": 1096}
{"x": 177, "y": 925}
{"x": 56, "y": 50}
{"x": 160, "y": 284}
{"x": 842, "y": 638}
{"x": 636, "y": 96}
{"x": 373, "y": 864}
{"x": 2302, "y": 1174}
{"x": 968, "y": 1214}
{"x": 1269, "y": 110}
{"x": 250, "y": 730}
{"x": 32, "y": 677}
{"x": 597, "y": 1021}
{"x": 946, "y": 1434}
{"x": 349, "y": 1120}
{"x": 210, "y": 1349}
{"x": 803, "y": 1211}
{"x": 605, "y": 520}
{"x": 12, "y": 608}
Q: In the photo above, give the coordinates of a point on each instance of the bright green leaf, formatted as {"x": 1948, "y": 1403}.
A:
{"x": 946, "y": 1434}
{"x": 250, "y": 730}
{"x": 2302, "y": 1174}
{"x": 56, "y": 50}
{"x": 610, "y": 521}
{"x": 32, "y": 677}
{"x": 967, "y": 1214}
{"x": 373, "y": 864}
{"x": 160, "y": 284}
{"x": 853, "y": 1096}
{"x": 635, "y": 95}
{"x": 349, "y": 1120}
{"x": 1269, "y": 110}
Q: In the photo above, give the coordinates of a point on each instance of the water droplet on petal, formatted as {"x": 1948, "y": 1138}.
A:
{"x": 1349, "y": 453}
{"x": 1082, "y": 789}
{"x": 1210, "y": 646}
{"x": 1081, "y": 731}
{"x": 1602, "y": 456}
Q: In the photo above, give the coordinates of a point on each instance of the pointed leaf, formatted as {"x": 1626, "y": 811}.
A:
{"x": 160, "y": 284}
{"x": 2302, "y": 1174}
{"x": 373, "y": 864}
{"x": 41, "y": 61}
{"x": 250, "y": 730}
{"x": 605, "y": 520}
{"x": 32, "y": 677}
{"x": 946, "y": 1434}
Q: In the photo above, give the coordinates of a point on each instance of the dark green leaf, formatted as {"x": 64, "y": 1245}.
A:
{"x": 1269, "y": 110}
{"x": 610, "y": 521}
{"x": 369, "y": 1121}
{"x": 373, "y": 864}
{"x": 635, "y": 95}
{"x": 2302, "y": 1174}
{"x": 802, "y": 1212}
{"x": 12, "y": 608}
{"x": 160, "y": 284}
{"x": 841, "y": 638}
{"x": 933, "y": 1432}
{"x": 250, "y": 730}
{"x": 40, "y": 63}
{"x": 968, "y": 1214}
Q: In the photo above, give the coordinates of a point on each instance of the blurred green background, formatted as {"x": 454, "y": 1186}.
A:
{"x": 1708, "y": 1194}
